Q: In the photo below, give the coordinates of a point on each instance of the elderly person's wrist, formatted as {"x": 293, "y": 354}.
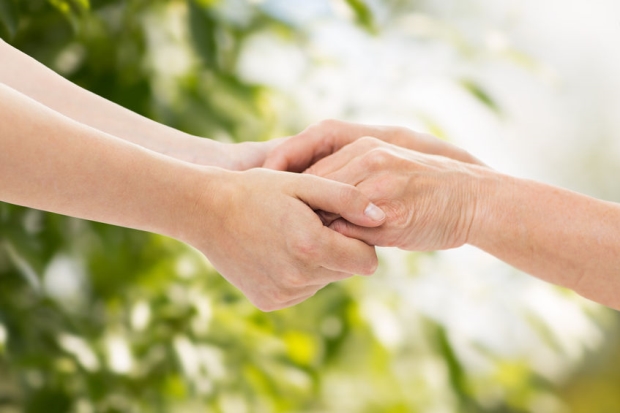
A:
{"x": 492, "y": 194}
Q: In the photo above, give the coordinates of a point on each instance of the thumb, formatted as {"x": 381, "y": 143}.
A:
{"x": 277, "y": 159}
{"x": 293, "y": 155}
{"x": 338, "y": 198}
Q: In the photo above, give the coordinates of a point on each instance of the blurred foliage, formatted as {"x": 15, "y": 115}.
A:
{"x": 95, "y": 318}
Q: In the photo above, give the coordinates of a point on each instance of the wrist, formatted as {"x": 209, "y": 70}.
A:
{"x": 200, "y": 151}
{"x": 493, "y": 193}
{"x": 199, "y": 203}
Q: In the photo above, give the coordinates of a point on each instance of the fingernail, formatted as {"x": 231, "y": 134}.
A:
{"x": 374, "y": 212}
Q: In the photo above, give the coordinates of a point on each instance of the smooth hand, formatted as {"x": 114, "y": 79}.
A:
{"x": 429, "y": 200}
{"x": 206, "y": 152}
{"x": 260, "y": 231}
{"x": 325, "y": 138}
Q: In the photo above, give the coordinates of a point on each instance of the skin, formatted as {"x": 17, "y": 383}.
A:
{"x": 257, "y": 227}
{"x": 326, "y": 137}
{"x": 433, "y": 202}
{"x": 26, "y": 75}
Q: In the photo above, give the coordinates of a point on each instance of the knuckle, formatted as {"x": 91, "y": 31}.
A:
{"x": 399, "y": 213}
{"x": 369, "y": 141}
{"x": 321, "y": 127}
{"x": 304, "y": 248}
{"x": 377, "y": 159}
{"x": 296, "y": 280}
{"x": 327, "y": 124}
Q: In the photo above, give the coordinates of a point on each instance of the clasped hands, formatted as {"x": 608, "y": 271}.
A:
{"x": 283, "y": 236}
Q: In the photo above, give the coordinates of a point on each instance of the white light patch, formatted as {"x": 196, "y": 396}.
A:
{"x": 81, "y": 350}
{"x": 64, "y": 280}
{"x": 120, "y": 359}
{"x": 140, "y": 316}
{"x": 4, "y": 335}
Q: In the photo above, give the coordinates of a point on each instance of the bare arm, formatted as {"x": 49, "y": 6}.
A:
{"x": 50, "y": 162}
{"x": 433, "y": 202}
{"x": 257, "y": 227}
{"x": 33, "y": 79}
{"x": 558, "y": 235}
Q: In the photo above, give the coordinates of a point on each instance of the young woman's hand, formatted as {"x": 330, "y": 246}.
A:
{"x": 259, "y": 229}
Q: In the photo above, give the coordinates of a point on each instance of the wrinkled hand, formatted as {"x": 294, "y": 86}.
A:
{"x": 323, "y": 139}
{"x": 429, "y": 200}
{"x": 266, "y": 239}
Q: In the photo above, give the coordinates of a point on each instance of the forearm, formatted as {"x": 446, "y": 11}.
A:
{"x": 31, "y": 78}
{"x": 557, "y": 235}
{"x": 53, "y": 163}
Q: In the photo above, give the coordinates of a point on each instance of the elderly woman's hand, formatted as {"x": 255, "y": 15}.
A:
{"x": 325, "y": 138}
{"x": 430, "y": 200}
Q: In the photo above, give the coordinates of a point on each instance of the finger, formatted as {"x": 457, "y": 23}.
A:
{"x": 370, "y": 236}
{"x": 323, "y": 276}
{"x": 327, "y": 217}
{"x": 345, "y": 155}
{"x": 301, "y": 151}
{"x": 353, "y": 173}
{"x": 314, "y": 143}
{"x": 347, "y": 255}
{"x": 277, "y": 297}
{"x": 298, "y": 300}
{"x": 338, "y": 198}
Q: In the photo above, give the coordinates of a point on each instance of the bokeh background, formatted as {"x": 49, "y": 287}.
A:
{"x": 95, "y": 318}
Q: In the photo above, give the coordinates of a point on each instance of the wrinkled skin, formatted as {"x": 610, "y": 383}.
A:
{"x": 299, "y": 152}
{"x": 430, "y": 200}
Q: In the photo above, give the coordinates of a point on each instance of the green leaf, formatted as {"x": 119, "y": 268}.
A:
{"x": 9, "y": 18}
{"x": 73, "y": 10}
{"x": 479, "y": 93}
{"x": 71, "y": 6}
{"x": 363, "y": 14}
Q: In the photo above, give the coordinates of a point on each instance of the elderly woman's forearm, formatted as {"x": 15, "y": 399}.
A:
{"x": 557, "y": 235}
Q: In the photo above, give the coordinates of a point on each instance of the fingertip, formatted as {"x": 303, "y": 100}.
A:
{"x": 376, "y": 214}
{"x": 371, "y": 267}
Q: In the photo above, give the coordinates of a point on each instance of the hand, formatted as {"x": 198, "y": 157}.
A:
{"x": 324, "y": 138}
{"x": 259, "y": 230}
{"x": 430, "y": 200}
{"x": 231, "y": 156}
{"x": 247, "y": 155}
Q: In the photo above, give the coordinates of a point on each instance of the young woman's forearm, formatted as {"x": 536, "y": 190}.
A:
{"x": 52, "y": 163}
{"x": 258, "y": 227}
{"x": 552, "y": 233}
{"x": 33, "y": 79}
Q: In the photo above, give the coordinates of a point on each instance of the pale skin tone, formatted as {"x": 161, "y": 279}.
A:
{"x": 444, "y": 199}
{"x": 24, "y": 74}
{"x": 67, "y": 151}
